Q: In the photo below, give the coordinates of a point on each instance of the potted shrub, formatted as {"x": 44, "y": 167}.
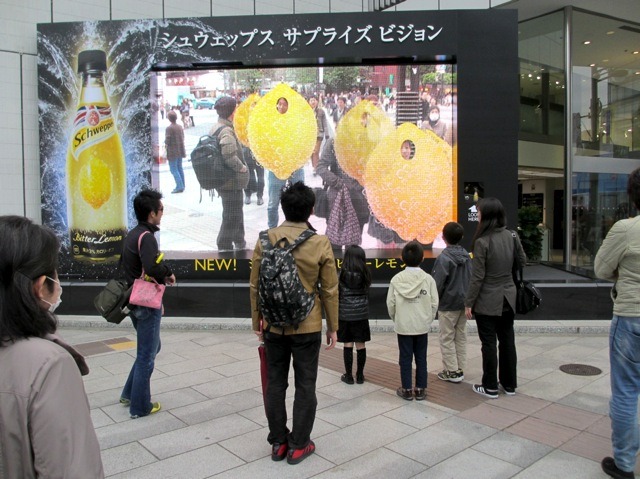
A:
{"x": 530, "y": 231}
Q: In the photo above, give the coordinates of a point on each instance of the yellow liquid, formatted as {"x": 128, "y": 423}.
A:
{"x": 96, "y": 186}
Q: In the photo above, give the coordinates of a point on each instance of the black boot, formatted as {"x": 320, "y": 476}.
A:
{"x": 362, "y": 358}
{"x": 347, "y": 354}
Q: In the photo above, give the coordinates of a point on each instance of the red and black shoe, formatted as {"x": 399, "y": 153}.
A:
{"x": 296, "y": 456}
{"x": 279, "y": 451}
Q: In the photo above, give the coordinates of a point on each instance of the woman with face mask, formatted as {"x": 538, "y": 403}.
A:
{"x": 44, "y": 412}
{"x": 435, "y": 124}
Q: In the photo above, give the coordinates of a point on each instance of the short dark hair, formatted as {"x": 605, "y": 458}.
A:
{"x": 452, "y": 232}
{"x": 297, "y": 201}
{"x": 633, "y": 187}
{"x": 413, "y": 253}
{"x": 28, "y": 252}
{"x": 225, "y": 106}
{"x": 146, "y": 202}
{"x": 172, "y": 116}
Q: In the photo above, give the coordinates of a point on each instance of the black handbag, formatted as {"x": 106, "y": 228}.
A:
{"x": 321, "y": 208}
{"x": 528, "y": 297}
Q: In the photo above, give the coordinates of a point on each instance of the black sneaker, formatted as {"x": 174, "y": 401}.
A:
{"x": 279, "y": 451}
{"x": 347, "y": 378}
{"x": 490, "y": 393}
{"x": 609, "y": 467}
{"x": 507, "y": 390}
{"x": 420, "y": 393}
{"x": 296, "y": 456}
{"x": 405, "y": 393}
{"x": 360, "y": 378}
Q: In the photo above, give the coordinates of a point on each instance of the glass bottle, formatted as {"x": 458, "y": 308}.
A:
{"x": 96, "y": 170}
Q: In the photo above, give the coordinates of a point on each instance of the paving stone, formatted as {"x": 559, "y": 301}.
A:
{"x": 514, "y": 449}
{"x": 471, "y": 464}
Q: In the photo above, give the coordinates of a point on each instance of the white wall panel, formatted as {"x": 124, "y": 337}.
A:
{"x": 418, "y": 5}
{"x": 128, "y": 9}
{"x": 312, "y": 6}
{"x": 18, "y": 26}
{"x": 235, "y": 7}
{"x": 273, "y": 7}
{"x": 338, "y": 6}
{"x": 30, "y": 137}
{"x": 11, "y": 201}
{"x": 75, "y": 11}
{"x": 464, "y": 4}
{"x": 187, "y": 8}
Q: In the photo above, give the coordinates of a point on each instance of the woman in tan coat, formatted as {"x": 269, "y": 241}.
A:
{"x": 45, "y": 425}
{"x": 492, "y": 297}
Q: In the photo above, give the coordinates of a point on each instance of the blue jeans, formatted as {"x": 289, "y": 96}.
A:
{"x": 624, "y": 356}
{"x": 305, "y": 351}
{"x": 413, "y": 346}
{"x": 275, "y": 187}
{"x": 146, "y": 322}
{"x": 175, "y": 166}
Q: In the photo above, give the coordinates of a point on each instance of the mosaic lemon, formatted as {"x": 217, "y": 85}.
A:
{"x": 358, "y": 133}
{"x": 411, "y": 194}
{"x": 241, "y": 118}
{"x": 282, "y": 139}
{"x": 95, "y": 182}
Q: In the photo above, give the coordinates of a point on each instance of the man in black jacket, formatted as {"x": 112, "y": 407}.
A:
{"x": 140, "y": 253}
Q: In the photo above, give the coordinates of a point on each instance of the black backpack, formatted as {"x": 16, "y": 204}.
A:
{"x": 208, "y": 162}
{"x": 282, "y": 298}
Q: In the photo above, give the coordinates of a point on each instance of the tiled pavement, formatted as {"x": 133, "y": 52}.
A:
{"x": 212, "y": 423}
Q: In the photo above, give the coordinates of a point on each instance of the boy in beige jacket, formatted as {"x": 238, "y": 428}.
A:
{"x": 412, "y": 302}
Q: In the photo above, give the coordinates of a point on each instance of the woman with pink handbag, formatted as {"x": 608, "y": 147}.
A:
{"x": 143, "y": 268}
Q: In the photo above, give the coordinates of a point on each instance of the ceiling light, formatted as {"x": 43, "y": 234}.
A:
{"x": 610, "y": 32}
{"x": 592, "y": 65}
{"x": 605, "y": 60}
{"x": 636, "y": 52}
{"x": 587, "y": 42}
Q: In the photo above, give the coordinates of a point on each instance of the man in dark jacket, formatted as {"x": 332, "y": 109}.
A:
{"x": 231, "y": 234}
{"x": 140, "y": 253}
{"x": 452, "y": 271}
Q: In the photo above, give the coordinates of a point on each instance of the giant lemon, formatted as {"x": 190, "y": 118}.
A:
{"x": 241, "y": 118}
{"x": 358, "y": 133}
{"x": 282, "y": 142}
{"x": 95, "y": 182}
{"x": 412, "y": 196}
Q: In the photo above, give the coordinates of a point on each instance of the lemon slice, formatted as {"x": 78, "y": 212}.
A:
{"x": 412, "y": 196}
{"x": 282, "y": 142}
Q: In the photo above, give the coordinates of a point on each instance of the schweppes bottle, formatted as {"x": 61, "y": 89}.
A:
{"x": 96, "y": 170}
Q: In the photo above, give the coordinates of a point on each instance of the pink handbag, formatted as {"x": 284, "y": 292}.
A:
{"x": 146, "y": 293}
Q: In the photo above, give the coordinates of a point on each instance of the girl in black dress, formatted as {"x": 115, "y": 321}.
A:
{"x": 355, "y": 279}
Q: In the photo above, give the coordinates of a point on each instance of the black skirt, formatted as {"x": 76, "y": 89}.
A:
{"x": 354, "y": 331}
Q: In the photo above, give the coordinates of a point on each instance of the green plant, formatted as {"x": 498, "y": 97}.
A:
{"x": 530, "y": 232}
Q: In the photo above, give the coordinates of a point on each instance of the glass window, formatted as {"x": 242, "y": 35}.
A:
{"x": 606, "y": 138}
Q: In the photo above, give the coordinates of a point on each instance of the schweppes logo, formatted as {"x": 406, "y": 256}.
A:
{"x": 93, "y": 124}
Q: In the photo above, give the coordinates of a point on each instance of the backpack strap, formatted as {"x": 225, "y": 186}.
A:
{"x": 264, "y": 241}
{"x": 304, "y": 236}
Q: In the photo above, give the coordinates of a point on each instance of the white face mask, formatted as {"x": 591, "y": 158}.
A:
{"x": 54, "y": 306}
{"x": 434, "y": 118}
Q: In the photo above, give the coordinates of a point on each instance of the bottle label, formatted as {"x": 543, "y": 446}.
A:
{"x": 93, "y": 125}
{"x": 97, "y": 245}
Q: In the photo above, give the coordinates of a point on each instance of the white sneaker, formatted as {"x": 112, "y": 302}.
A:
{"x": 490, "y": 393}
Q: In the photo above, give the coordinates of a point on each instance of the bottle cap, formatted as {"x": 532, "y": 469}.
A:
{"x": 92, "y": 60}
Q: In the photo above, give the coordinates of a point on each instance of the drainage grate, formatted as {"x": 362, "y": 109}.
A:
{"x": 580, "y": 369}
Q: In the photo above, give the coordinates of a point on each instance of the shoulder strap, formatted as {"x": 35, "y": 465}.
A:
{"x": 304, "y": 236}
{"x": 139, "y": 244}
{"x": 217, "y": 132}
{"x": 264, "y": 241}
{"x": 516, "y": 260}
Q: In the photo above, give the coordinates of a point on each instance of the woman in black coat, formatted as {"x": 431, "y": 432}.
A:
{"x": 492, "y": 297}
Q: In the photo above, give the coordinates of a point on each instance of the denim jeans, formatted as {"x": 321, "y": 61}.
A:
{"x": 146, "y": 322}
{"x": 275, "y": 186}
{"x": 305, "y": 350}
{"x": 410, "y": 347}
{"x": 624, "y": 356}
{"x": 175, "y": 166}
{"x": 499, "y": 357}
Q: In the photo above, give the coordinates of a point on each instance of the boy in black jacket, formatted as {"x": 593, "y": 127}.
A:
{"x": 452, "y": 271}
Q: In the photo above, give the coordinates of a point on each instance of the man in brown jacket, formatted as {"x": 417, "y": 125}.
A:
{"x": 231, "y": 234}
{"x": 317, "y": 272}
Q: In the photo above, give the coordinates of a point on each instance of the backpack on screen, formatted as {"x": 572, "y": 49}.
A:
{"x": 208, "y": 162}
{"x": 282, "y": 298}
